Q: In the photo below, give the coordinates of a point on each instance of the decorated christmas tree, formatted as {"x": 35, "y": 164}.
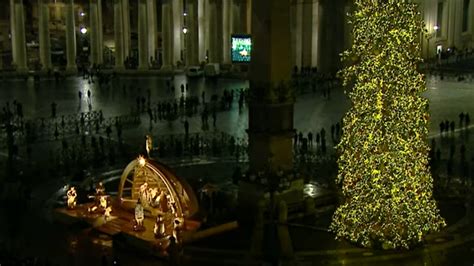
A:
{"x": 383, "y": 165}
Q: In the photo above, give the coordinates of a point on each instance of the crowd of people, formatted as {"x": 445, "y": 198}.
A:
{"x": 449, "y": 158}
{"x": 308, "y": 79}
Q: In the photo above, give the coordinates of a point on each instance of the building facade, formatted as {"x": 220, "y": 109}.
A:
{"x": 145, "y": 34}
{"x": 449, "y": 24}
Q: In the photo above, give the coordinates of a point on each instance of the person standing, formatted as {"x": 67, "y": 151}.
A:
{"x": 186, "y": 129}
{"x": 150, "y": 115}
{"x": 53, "y": 110}
{"x": 295, "y": 142}
{"x": 310, "y": 139}
{"x": 461, "y": 119}
{"x": 214, "y": 118}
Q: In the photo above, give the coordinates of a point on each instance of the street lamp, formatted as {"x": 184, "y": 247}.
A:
{"x": 83, "y": 30}
{"x": 185, "y": 30}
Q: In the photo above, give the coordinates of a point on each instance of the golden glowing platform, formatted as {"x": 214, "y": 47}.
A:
{"x": 119, "y": 226}
{"x": 158, "y": 190}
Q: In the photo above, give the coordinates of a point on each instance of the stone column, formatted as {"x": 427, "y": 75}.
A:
{"x": 126, "y": 27}
{"x": 235, "y": 22}
{"x": 100, "y": 33}
{"x": 226, "y": 30}
{"x": 192, "y": 37}
{"x": 271, "y": 113}
{"x": 212, "y": 31}
{"x": 44, "y": 38}
{"x": 471, "y": 23}
{"x": 56, "y": 11}
{"x": 450, "y": 5}
{"x": 206, "y": 26}
{"x": 315, "y": 34}
{"x": 177, "y": 17}
{"x": 119, "y": 37}
{"x": 143, "y": 57}
{"x": 248, "y": 15}
{"x": 220, "y": 32}
{"x": 286, "y": 244}
{"x": 70, "y": 38}
{"x": 307, "y": 14}
{"x": 297, "y": 22}
{"x": 12, "y": 30}
{"x": 96, "y": 32}
{"x": 332, "y": 34}
{"x": 18, "y": 36}
{"x": 458, "y": 10}
{"x": 152, "y": 29}
{"x": 166, "y": 35}
{"x": 201, "y": 21}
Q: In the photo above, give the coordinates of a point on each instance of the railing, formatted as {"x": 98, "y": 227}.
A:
{"x": 49, "y": 129}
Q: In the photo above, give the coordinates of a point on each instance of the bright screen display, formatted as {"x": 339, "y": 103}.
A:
{"x": 241, "y": 48}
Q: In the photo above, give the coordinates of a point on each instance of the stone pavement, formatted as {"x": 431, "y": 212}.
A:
{"x": 312, "y": 112}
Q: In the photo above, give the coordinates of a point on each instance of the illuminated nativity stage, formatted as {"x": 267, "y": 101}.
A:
{"x": 153, "y": 209}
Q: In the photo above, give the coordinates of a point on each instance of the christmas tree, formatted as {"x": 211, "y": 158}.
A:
{"x": 383, "y": 164}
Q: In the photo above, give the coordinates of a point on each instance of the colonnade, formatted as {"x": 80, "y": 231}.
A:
{"x": 209, "y": 25}
{"x": 319, "y": 33}
{"x": 448, "y": 23}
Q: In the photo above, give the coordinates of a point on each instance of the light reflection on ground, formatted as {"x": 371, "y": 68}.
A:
{"x": 314, "y": 189}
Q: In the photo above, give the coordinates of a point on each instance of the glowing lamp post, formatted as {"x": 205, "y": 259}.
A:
{"x": 83, "y": 30}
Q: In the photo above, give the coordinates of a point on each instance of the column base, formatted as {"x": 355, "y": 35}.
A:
{"x": 71, "y": 70}
{"x": 167, "y": 68}
{"x": 22, "y": 70}
{"x": 45, "y": 70}
{"x": 143, "y": 68}
{"x": 119, "y": 68}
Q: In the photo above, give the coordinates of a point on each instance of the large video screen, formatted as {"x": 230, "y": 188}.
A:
{"x": 241, "y": 48}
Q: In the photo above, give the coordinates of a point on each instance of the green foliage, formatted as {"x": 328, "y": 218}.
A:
{"x": 383, "y": 164}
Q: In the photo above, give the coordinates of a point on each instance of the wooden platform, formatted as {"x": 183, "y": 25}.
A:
{"x": 119, "y": 226}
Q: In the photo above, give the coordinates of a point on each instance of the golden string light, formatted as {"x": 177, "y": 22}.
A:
{"x": 383, "y": 163}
